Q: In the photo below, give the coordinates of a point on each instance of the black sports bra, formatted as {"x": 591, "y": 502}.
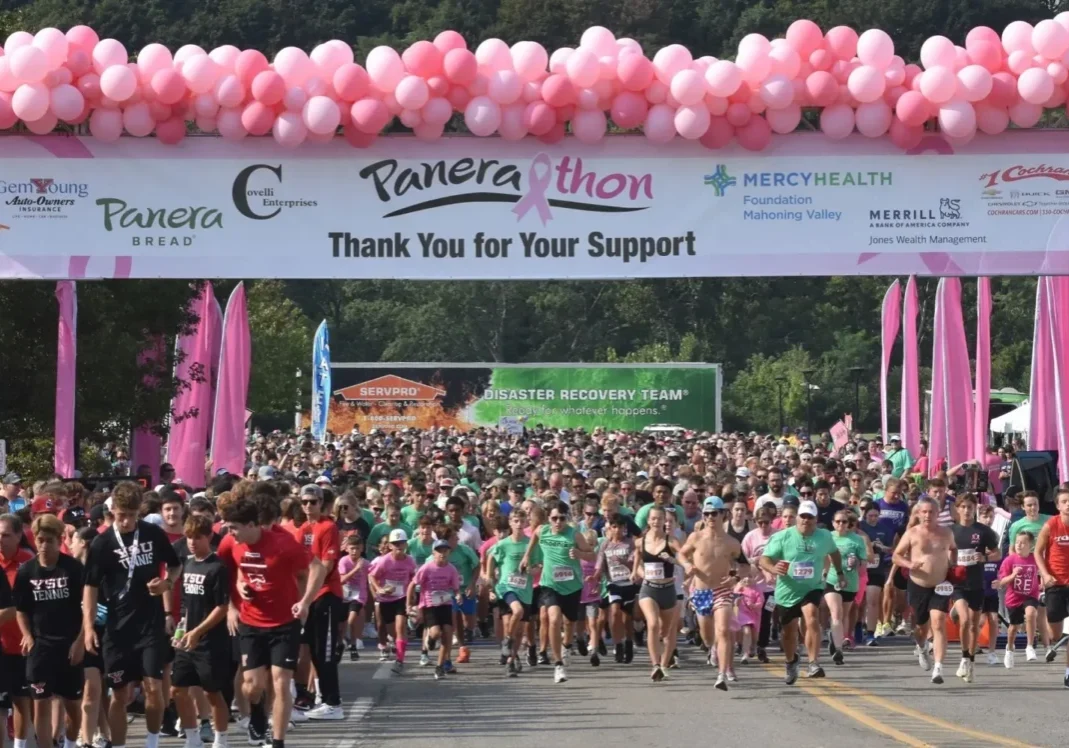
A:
{"x": 669, "y": 565}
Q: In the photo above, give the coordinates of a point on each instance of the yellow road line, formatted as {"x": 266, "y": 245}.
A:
{"x": 862, "y": 718}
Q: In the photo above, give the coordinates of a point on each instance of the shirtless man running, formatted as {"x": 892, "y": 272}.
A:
{"x": 928, "y": 551}
{"x": 714, "y": 558}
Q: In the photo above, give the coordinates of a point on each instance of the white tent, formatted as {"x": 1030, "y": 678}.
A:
{"x": 1014, "y": 422}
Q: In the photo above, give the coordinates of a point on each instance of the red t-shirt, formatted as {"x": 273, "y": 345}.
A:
{"x": 269, "y": 567}
{"x": 10, "y": 633}
{"x": 322, "y": 540}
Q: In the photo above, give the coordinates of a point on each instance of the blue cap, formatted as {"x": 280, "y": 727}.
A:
{"x": 713, "y": 503}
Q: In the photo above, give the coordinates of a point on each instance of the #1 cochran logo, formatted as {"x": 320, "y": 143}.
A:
{"x": 1018, "y": 173}
{"x": 390, "y": 387}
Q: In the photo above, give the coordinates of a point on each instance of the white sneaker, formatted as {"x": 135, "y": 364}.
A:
{"x": 193, "y": 743}
{"x": 325, "y": 712}
{"x": 745, "y": 659}
{"x": 424, "y": 659}
{"x": 963, "y": 668}
{"x": 100, "y": 742}
{"x": 560, "y": 675}
{"x": 296, "y": 715}
{"x": 221, "y": 741}
{"x": 732, "y": 678}
{"x": 992, "y": 658}
{"x": 937, "y": 673}
{"x": 1030, "y": 654}
{"x": 242, "y": 723}
{"x": 566, "y": 656}
{"x": 923, "y": 660}
{"x": 968, "y": 671}
{"x": 1008, "y": 659}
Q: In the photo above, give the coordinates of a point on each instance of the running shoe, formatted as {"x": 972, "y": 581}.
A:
{"x": 580, "y": 644}
{"x": 595, "y": 661}
{"x": 762, "y": 656}
{"x": 543, "y": 658}
{"x": 922, "y": 658}
{"x": 206, "y": 731}
{"x": 326, "y": 712}
{"x": 448, "y": 668}
{"x": 848, "y": 643}
{"x": 992, "y": 658}
{"x": 354, "y": 655}
{"x": 1007, "y": 660}
{"x": 674, "y": 662}
{"x": 618, "y": 653}
{"x": 629, "y": 652}
{"x": 241, "y": 722}
{"x": 532, "y": 656}
{"x": 721, "y": 683}
{"x": 831, "y": 647}
{"x": 837, "y": 658}
{"x": 732, "y": 678}
{"x": 464, "y": 655}
{"x": 424, "y": 659}
{"x": 560, "y": 675}
{"x": 506, "y": 647}
{"x": 602, "y": 649}
{"x": 815, "y": 671}
{"x": 1051, "y": 654}
{"x": 296, "y": 715}
{"x": 968, "y": 672}
{"x": 439, "y": 673}
{"x": 398, "y": 667}
{"x": 1065, "y": 681}
{"x": 502, "y": 659}
{"x": 937, "y": 673}
{"x": 963, "y": 668}
{"x": 903, "y": 628}
{"x": 870, "y": 641}
{"x": 255, "y": 737}
{"x": 512, "y": 670}
{"x": 745, "y": 660}
{"x": 792, "y": 672}
{"x": 1030, "y": 654}
{"x": 383, "y": 657}
{"x": 657, "y": 675}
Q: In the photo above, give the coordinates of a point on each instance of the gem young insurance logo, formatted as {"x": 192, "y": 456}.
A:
{"x": 568, "y": 184}
{"x": 720, "y": 180}
{"x": 41, "y": 197}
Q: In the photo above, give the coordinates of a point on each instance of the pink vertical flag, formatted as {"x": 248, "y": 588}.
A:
{"x": 191, "y": 409}
{"x": 1042, "y": 430}
{"x": 1058, "y": 306}
{"x": 937, "y": 412}
{"x": 235, "y": 365}
{"x": 891, "y": 319}
{"x": 983, "y": 370}
{"x": 958, "y": 389}
{"x": 911, "y": 401}
{"x": 146, "y": 444}
{"x": 215, "y": 322}
{"x": 66, "y": 368}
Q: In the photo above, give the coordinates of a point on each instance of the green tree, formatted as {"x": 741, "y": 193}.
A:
{"x": 281, "y": 344}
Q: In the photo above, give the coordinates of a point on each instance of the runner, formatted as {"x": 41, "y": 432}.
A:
{"x": 513, "y": 587}
{"x": 1019, "y": 576}
{"x": 13, "y": 554}
{"x": 352, "y": 569}
{"x": 466, "y": 562}
{"x": 976, "y": 544}
{"x": 588, "y": 641}
{"x": 614, "y": 566}
{"x": 94, "y": 708}
{"x": 840, "y": 590}
{"x": 123, "y": 571}
{"x": 927, "y": 551}
{"x": 796, "y": 557}
{"x": 882, "y": 534}
{"x": 438, "y": 582}
{"x": 711, "y": 557}
{"x": 389, "y": 576}
{"x": 753, "y": 545}
{"x": 1052, "y": 557}
{"x": 655, "y": 564}
{"x": 985, "y": 515}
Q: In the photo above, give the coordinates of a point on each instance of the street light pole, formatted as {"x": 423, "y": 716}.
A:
{"x": 807, "y": 373}
{"x": 779, "y": 391}
{"x": 297, "y": 408}
{"x": 857, "y": 371}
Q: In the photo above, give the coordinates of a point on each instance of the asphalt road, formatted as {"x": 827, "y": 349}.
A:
{"x": 880, "y": 697}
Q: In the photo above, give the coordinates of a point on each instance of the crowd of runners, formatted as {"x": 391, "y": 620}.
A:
{"x": 231, "y": 607}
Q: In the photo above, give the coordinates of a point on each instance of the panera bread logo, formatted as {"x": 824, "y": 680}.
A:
{"x": 390, "y": 387}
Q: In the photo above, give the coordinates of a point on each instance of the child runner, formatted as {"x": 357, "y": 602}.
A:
{"x": 353, "y": 569}
{"x": 389, "y": 576}
{"x": 1019, "y": 576}
{"x": 439, "y": 586}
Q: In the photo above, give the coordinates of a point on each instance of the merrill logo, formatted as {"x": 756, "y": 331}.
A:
{"x": 949, "y": 209}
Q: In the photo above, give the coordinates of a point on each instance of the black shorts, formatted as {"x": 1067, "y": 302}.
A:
{"x": 529, "y": 609}
{"x": 13, "y": 676}
{"x": 129, "y": 662}
{"x": 786, "y": 615}
{"x": 848, "y": 597}
{"x": 624, "y": 594}
{"x": 901, "y": 581}
{"x": 277, "y": 646}
{"x": 924, "y": 600}
{"x": 202, "y": 667}
{"x": 877, "y": 577}
{"x": 974, "y": 598}
{"x": 990, "y": 603}
{"x": 1016, "y": 615}
{"x": 568, "y": 604}
{"x": 439, "y": 615}
{"x": 49, "y": 672}
{"x": 355, "y": 606}
{"x": 390, "y": 611}
{"x": 1057, "y": 602}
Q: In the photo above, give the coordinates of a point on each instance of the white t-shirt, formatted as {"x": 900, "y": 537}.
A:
{"x": 468, "y": 534}
{"x": 768, "y": 498}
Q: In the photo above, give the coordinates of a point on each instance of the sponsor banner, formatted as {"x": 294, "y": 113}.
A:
{"x": 468, "y": 208}
{"x": 510, "y": 397}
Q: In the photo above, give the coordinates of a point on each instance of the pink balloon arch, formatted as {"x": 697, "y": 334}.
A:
{"x": 854, "y": 81}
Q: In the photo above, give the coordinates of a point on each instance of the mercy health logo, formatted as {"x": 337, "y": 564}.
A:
{"x": 41, "y": 197}
{"x": 816, "y": 179}
{"x": 720, "y": 180}
{"x": 158, "y": 227}
{"x": 257, "y": 196}
{"x": 538, "y": 186}
{"x": 390, "y": 387}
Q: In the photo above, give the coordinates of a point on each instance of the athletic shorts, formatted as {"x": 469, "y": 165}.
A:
{"x": 974, "y": 598}
{"x": 848, "y": 597}
{"x": 664, "y": 596}
{"x": 129, "y": 662}
{"x": 625, "y": 594}
{"x": 438, "y": 615}
{"x": 466, "y": 606}
{"x": 511, "y": 597}
{"x": 877, "y": 577}
{"x": 706, "y": 601}
{"x": 205, "y": 668}
{"x": 568, "y": 604}
{"x": 1016, "y": 615}
{"x": 901, "y": 580}
{"x": 390, "y": 611}
{"x": 13, "y": 676}
{"x": 786, "y": 615}
{"x": 924, "y": 600}
{"x": 355, "y": 606}
{"x": 1057, "y": 601}
{"x": 49, "y": 672}
{"x": 991, "y": 603}
{"x": 275, "y": 646}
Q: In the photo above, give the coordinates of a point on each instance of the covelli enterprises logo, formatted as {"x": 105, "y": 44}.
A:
{"x": 42, "y": 197}
{"x": 254, "y": 193}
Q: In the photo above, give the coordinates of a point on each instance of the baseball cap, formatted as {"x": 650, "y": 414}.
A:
{"x": 807, "y": 507}
{"x": 398, "y": 536}
{"x": 499, "y": 483}
{"x": 75, "y": 517}
{"x": 12, "y": 478}
{"x": 439, "y": 545}
{"x": 42, "y": 505}
{"x": 743, "y": 472}
{"x": 267, "y": 472}
{"x": 713, "y": 503}
{"x": 312, "y": 490}
{"x": 324, "y": 480}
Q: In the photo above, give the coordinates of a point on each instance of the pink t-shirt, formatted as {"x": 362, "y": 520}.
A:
{"x": 591, "y": 589}
{"x": 1026, "y": 585}
{"x": 437, "y": 584}
{"x": 392, "y": 575}
{"x": 753, "y": 544}
{"x": 356, "y": 588}
{"x": 749, "y": 605}
{"x": 487, "y": 545}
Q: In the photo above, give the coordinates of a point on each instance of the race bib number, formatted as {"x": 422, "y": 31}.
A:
{"x": 944, "y": 589}
{"x": 619, "y": 574}
{"x": 654, "y": 571}
{"x": 770, "y": 604}
{"x": 873, "y": 563}
{"x": 563, "y": 574}
{"x": 389, "y": 588}
{"x": 968, "y": 557}
{"x": 802, "y": 570}
{"x": 441, "y": 597}
{"x": 519, "y": 581}
{"x": 851, "y": 561}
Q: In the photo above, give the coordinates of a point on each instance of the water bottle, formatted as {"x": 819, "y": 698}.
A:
{"x": 180, "y": 630}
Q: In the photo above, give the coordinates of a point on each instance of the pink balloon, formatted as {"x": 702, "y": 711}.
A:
{"x": 505, "y": 87}
{"x": 784, "y": 60}
{"x": 837, "y": 121}
{"x": 598, "y": 40}
{"x": 289, "y": 130}
{"x": 1017, "y": 36}
{"x": 629, "y": 109}
{"x": 777, "y": 92}
{"x": 44, "y": 125}
{"x": 228, "y": 123}
{"x": 589, "y": 127}
{"x": 411, "y": 92}
{"x": 449, "y": 40}
{"x": 938, "y": 51}
{"x": 482, "y": 116}
{"x": 957, "y": 119}
{"x": 875, "y": 48}
{"x": 668, "y": 61}
{"x": 938, "y": 84}
{"x": 913, "y": 109}
{"x": 530, "y": 60}
{"x": 738, "y": 114}
{"x": 370, "y": 116}
{"x": 459, "y": 97}
{"x": 229, "y": 92}
{"x": 784, "y": 121}
{"x": 554, "y": 135}
{"x": 1025, "y": 114}
{"x": 437, "y": 111}
{"x": 351, "y": 82}
{"x": 108, "y": 53}
{"x": 66, "y": 102}
{"x": 822, "y": 59}
{"x": 293, "y": 64}
{"x": 723, "y": 78}
{"x": 512, "y": 127}
{"x": 30, "y": 101}
{"x": 385, "y": 68}
{"x": 583, "y": 68}
{"x": 168, "y": 86}
{"x": 257, "y": 118}
{"x": 1019, "y": 61}
{"x": 171, "y": 131}
{"x": 151, "y": 59}
{"x": 493, "y": 55}
{"x": 1050, "y": 39}
{"x": 539, "y": 118}
{"x": 691, "y": 122}
{"x": 719, "y": 134}
{"x": 1058, "y": 72}
{"x": 688, "y": 87}
{"x": 78, "y": 63}
{"x": 358, "y": 139}
{"x": 657, "y": 93}
{"x": 106, "y": 124}
{"x": 137, "y": 120}
{"x": 268, "y": 88}
{"x": 558, "y": 61}
{"x": 249, "y": 64}
{"x": 460, "y": 67}
{"x": 558, "y": 91}
{"x": 904, "y": 136}
{"x": 439, "y": 87}
{"x": 660, "y": 124}
{"x": 161, "y": 112}
{"x": 754, "y": 66}
{"x": 974, "y": 82}
{"x": 822, "y": 88}
{"x": 422, "y": 59}
{"x": 226, "y": 57}
{"x": 187, "y": 52}
{"x": 634, "y": 72}
{"x": 200, "y": 74}
{"x": 82, "y": 38}
{"x": 866, "y": 83}
{"x": 28, "y": 64}
{"x": 321, "y": 115}
{"x": 427, "y": 131}
{"x": 990, "y": 119}
{"x": 88, "y": 85}
{"x": 54, "y": 44}
{"x": 805, "y": 37}
{"x": 842, "y": 41}
{"x": 8, "y": 118}
{"x": 873, "y": 119}
{"x": 755, "y": 44}
{"x": 755, "y": 135}
{"x": 982, "y": 33}
{"x": 1035, "y": 85}
{"x": 1003, "y": 90}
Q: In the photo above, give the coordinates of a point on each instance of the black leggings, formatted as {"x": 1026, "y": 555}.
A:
{"x": 766, "y": 623}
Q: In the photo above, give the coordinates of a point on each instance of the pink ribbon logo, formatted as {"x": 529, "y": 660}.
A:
{"x": 537, "y": 184}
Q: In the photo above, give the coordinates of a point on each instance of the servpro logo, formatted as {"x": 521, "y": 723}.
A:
{"x": 390, "y": 387}
{"x": 169, "y": 227}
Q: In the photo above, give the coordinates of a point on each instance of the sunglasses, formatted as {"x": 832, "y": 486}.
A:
{"x": 590, "y": 514}
{"x": 556, "y": 518}
{"x": 309, "y": 502}
{"x": 712, "y": 513}
{"x": 763, "y": 522}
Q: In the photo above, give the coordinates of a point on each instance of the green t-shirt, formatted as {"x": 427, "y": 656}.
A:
{"x": 560, "y": 572}
{"x": 644, "y": 513}
{"x": 420, "y": 552}
{"x": 806, "y": 555}
{"x": 411, "y": 515}
{"x": 1028, "y": 525}
{"x": 381, "y": 530}
{"x": 507, "y": 555}
{"x": 855, "y": 553}
{"x": 466, "y": 562}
